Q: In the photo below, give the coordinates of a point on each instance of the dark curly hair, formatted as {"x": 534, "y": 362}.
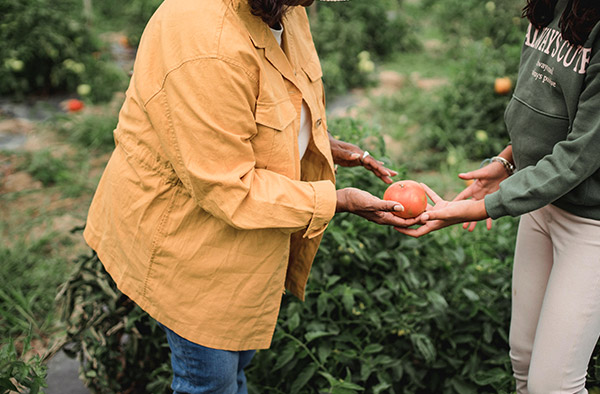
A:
{"x": 271, "y": 11}
{"x": 576, "y": 22}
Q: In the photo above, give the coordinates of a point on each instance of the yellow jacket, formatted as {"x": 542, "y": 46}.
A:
{"x": 205, "y": 212}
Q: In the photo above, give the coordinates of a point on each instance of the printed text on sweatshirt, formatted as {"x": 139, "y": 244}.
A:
{"x": 551, "y": 42}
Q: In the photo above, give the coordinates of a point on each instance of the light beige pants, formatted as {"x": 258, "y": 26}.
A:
{"x": 555, "y": 301}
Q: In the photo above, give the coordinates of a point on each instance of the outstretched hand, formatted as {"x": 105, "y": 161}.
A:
{"x": 445, "y": 213}
{"x": 364, "y": 204}
{"x": 346, "y": 154}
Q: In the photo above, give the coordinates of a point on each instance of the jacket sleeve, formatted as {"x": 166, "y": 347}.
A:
{"x": 204, "y": 117}
{"x": 571, "y": 162}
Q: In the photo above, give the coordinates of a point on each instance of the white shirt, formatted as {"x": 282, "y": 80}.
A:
{"x": 305, "y": 120}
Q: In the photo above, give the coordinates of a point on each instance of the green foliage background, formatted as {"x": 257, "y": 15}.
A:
{"x": 384, "y": 313}
{"x": 16, "y": 374}
{"x": 486, "y": 41}
{"x": 48, "y": 47}
{"x": 28, "y": 273}
{"x": 131, "y": 16}
{"x": 342, "y": 31}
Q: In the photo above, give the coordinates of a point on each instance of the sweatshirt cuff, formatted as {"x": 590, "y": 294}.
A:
{"x": 325, "y": 202}
{"x": 494, "y": 206}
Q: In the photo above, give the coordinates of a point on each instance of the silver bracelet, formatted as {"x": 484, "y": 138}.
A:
{"x": 508, "y": 166}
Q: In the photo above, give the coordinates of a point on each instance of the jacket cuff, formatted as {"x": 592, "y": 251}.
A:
{"x": 325, "y": 202}
{"x": 494, "y": 206}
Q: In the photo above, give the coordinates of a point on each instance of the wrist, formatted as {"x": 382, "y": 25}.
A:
{"x": 508, "y": 166}
{"x": 340, "y": 205}
{"x": 481, "y": 210}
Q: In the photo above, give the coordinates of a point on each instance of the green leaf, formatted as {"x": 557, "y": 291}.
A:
{"x": 373, "y": 348}
{"x": 488, "y": 332}
{"x": 285, "y": 357}
{"x": 294, "y": 322}
{"x": 366, "y": 369}
{"x": 372, "y": 283}
{"x": 349, "y": 385}
{"x": 424, "y": 346}
{"x": 323, "y": 352}
{"x": 310, "y": 336}
{"x": 330, "y": 379}
{"x": 384, "y": 254}
{"x": 303, "y": 378}
{"x": 462, "y": 387}
{"x": 459, "y": 254}
{"x": 470, "y": 294}
{"x": 374, "y": 318}
{"x": 322, "y": 303}
{"x": 333, "y": 279}
{"x": 381, "y": 387}
{"x": 384, "y": 360}
{"x": 484, "y": 378}
{"x": 437, "y": 300}
{"x": 348, "y": 299}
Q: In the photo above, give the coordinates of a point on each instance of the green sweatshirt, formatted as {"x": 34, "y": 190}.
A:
{"x": 553, "y": 120}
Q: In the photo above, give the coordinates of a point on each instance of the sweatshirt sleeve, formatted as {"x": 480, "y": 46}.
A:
{"x": 570, "y": 163}
{"x": 204, "y": 117}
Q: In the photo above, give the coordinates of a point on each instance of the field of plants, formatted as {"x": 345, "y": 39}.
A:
{"x": 412, "y": 81}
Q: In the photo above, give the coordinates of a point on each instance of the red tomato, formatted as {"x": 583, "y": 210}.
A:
{"x": 74, "y": 105}
{"x": 410, "y": 194}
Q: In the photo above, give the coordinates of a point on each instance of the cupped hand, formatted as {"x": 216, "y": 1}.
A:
{"x": 486, "y": 180}
{"x": 346, "y": 154}
{"x": 365, "y": 205}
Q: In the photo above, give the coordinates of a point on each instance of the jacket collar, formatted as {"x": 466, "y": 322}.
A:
{"x": 262, "y": 38}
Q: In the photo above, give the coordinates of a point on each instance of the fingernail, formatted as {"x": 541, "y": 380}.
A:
{"x": 355, "y": 156}
{"x": 425, "y": 217}
{"x": 399, "y": 207}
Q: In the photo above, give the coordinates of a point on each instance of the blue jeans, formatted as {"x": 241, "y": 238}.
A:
{"x": 199, "y": 370}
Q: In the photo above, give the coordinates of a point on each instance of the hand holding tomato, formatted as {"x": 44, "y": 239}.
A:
{"x": 445, "y": 213}
{"x": 364, "y": 204}
{"x": 350, "y": 155}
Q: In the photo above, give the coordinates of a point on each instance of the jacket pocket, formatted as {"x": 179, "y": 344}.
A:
{"x": 313, "y": 70}
{"x": 276, "y": 116}
{"x": 273, "y": 143}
